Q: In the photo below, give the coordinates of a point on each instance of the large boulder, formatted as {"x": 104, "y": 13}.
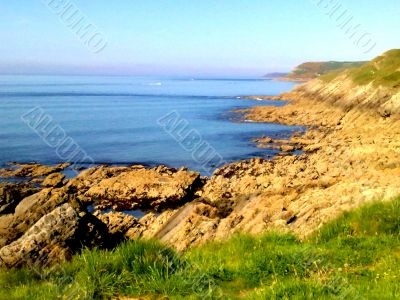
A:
{"x": 90, "y": 177}
{"x": 54, "y": 238}
{"x": 136, "y": 188}
{"x": 11, "y": 194}
{"x": 28, "y": 212}
{"x": 53, "y": 180}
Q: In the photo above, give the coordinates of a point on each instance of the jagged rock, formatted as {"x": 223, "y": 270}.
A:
{"x": 32, "y": 170}
{"x": 117, "y": 222}
{"x": 287, "y": 148}
{"x": 53, "y": 238}
{"x": 45, "y": 242}
{"x": 90, "y": 177}
{"x": 28, "y": 212}
{"x": 190, "y": 225}
{"x": 11, "y": 194}
{"x": 145, "y": 188}
{"x": 54, "y": 180}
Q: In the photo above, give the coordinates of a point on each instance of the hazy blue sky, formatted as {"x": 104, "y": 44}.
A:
{"x": 239, "y": 37}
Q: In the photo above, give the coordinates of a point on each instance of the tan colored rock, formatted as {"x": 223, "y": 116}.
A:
{"x": 54, "y": 180}
{"x": 32, "y": 170}
{"x": 287, "y": 148}
{"x": 354, "y": 158}
{"x": 54, "y": 238}
{"x": 45, "y": 242}
{"x": 117, "y": 222}
{"x": 145, "y": 188}
{"x": 28, "y": 212}
{"x": 11, "y": 194}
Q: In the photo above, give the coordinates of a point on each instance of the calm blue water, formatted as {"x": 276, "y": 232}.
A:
{"x": 114, "y": 119}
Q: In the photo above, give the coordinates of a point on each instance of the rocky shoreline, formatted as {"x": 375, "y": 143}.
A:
{"x": 349, "y": 155}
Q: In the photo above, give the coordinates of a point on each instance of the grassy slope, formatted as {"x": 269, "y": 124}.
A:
{"x": 381, "y": 71}
{"x": 356, "y": 256}
{"x": 310, "y": 70}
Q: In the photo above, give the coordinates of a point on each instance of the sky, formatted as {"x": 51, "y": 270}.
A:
{"x": 195, "y": 37}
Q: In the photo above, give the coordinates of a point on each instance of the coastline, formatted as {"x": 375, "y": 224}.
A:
{"x": 346, "y": 152}
{"x": 200, "y": 150}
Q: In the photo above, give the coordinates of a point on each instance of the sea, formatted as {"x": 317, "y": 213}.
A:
{"x": 125, "y": 120}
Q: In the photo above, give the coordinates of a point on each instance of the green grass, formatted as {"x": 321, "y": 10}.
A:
{"x": 356, "y": 256}
{"x": 381, "y": 71}
{"x": 316, "y": 69}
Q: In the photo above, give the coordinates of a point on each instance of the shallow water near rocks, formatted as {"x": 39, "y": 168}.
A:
{"x": 137, "y": 213}
{"x": 114, "y": 119}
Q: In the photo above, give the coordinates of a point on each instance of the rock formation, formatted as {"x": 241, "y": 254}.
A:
{"x": 349, "y": 155}
{"x": 145, "y": 188}
{"x": 54, "y": 180}
{"x": 11, "y": 194}
{"x": 42, "y": 227}
{"x": 31, "y": 170}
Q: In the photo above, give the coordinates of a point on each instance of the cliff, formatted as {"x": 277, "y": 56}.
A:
{"x": 349, "y": 155}
{"x": 373, "y": 86}
{"x": 310, "y": 70}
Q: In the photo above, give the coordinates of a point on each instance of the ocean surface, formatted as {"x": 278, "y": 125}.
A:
{"x": 126, "y": 120}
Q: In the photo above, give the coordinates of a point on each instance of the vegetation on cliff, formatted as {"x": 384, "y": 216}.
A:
{"x": 372, "y": 87}
{"x": 310, "y": 70}
{"x": 384, "y": 70}
{"x": 355, "y": 256}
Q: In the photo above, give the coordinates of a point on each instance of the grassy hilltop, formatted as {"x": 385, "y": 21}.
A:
{"x": 355, "y": 257}
{"x": 311, "y": 70}
{"x": 384, "y": 70}
{"x": 373, "y": 86}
